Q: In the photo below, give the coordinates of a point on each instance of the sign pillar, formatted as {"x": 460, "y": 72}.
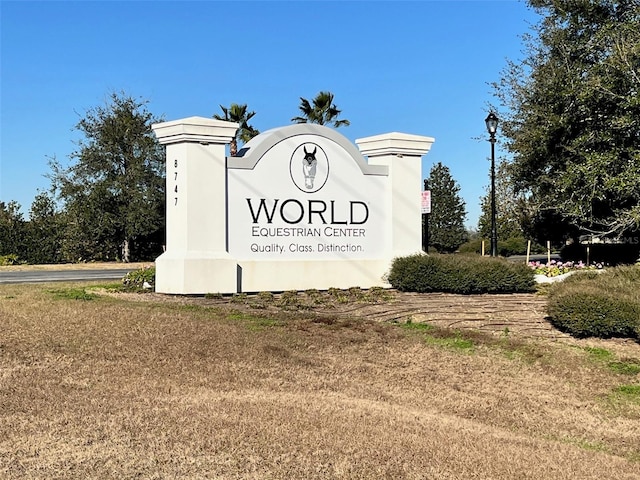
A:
{"x": 196, "y": 259}
{"x": 402, "y": 153}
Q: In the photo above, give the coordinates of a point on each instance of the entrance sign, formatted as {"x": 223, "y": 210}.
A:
{"x": 298, "y": 207}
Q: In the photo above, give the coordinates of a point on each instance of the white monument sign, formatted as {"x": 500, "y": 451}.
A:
{"x": 298, "y": 207}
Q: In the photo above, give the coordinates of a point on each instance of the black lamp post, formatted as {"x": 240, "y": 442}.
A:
{"x": 425, "y": 224}
{"x": 492, "y": 127}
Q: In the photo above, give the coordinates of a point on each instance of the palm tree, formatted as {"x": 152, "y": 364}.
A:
{"x": 238, "y": 114}
{"x": 322, "y": 112}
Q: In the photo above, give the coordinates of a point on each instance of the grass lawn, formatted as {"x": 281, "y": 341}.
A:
{"x": 95, "y": 386}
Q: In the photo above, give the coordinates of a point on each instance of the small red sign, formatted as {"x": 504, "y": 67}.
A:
{"x": 426, "y": 202}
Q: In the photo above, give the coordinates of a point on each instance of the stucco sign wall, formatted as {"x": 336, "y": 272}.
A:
{"x": 299, "y": 207}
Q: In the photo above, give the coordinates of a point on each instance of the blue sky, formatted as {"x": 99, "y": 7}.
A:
{"x": 419, "y": 67}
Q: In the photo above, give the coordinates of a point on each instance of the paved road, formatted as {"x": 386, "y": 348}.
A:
{"x": 37, "y": 276}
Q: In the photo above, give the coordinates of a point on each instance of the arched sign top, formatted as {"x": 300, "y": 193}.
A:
{"x": 253, "y": 151}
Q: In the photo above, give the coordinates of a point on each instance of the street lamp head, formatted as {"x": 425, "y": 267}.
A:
{"x": 492, "y": 123}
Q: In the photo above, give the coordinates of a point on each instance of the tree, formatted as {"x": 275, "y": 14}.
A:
{"x": 12, "y": 229}
{"x": 509, "y": 207}
{"x": 114, "y": 192}
{"x": 44, "y": 232}
{"x": 446, "y": 220}
{"x": 238, "y": 114}
{"x": 323, "y": 111}
{"x": 572, "y": 119}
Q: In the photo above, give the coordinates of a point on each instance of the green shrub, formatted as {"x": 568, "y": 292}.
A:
{"x": 592, "y": 314}
{"x": 601, "y": 305}
{"x": 10, "y": 259}
{"x": 144, "y": 277}
{"x": 517, "y": 246}
{"x": 459, "y": 274}
{"x": 472, "y": 246}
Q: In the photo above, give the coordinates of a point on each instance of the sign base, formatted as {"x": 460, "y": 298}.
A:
{"x": 191, "y": 274}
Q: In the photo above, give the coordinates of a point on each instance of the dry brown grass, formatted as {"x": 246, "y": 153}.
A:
{"x": 74, "y": 266}
{"x": 117, "y": 388}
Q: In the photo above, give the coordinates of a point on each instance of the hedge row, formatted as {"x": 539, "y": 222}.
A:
{"x": 459, "y": 274}
{"x": 604, "y": 305}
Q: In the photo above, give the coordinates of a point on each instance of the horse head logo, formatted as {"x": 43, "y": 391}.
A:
{"x": 315, "y": 167}
{"x": 309, "y": 165}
